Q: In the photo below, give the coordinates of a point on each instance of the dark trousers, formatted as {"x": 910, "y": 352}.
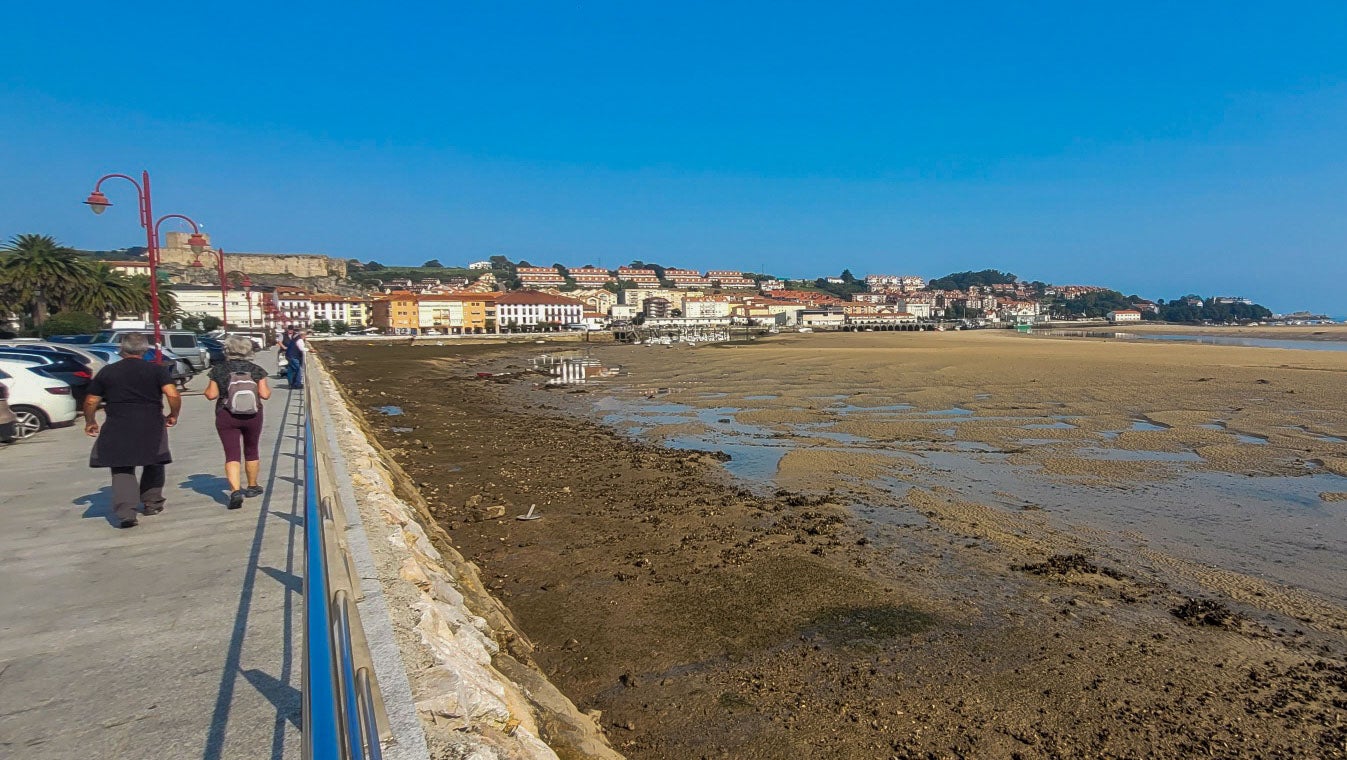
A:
{"x": 127, "y": 493}
{"x": 295, "y": 371}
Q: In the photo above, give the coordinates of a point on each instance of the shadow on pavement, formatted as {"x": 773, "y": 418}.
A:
{"x": 214, "y": 487}
{"x": 98, "y": 504}
{"x": 277, "y": 689}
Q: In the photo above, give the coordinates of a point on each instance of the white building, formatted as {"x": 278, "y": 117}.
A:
{"x": 290, "y": 307}
{"x": 206, "y": 301}
{"x": 918, "y": 309}
{"x": 480, "y": 265}
{"x": 352, "y": 310}
{"x": 523, "y": 309}
{"x": 826, "y": 318}
{"x": 1124, "y": 315}
{"x": 705, "y": 308}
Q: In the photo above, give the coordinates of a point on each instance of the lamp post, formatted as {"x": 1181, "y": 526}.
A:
{"x": 98, "y": 203}
{"x": 247, "y": 284}
{"x": 224, "y": 283}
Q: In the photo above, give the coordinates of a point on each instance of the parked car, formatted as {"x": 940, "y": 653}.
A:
{"x": 182, "y": 371}
{"x": 38, "y": 402}
{"x": 215, "y": 348}
{"x": 56, "y": 366}
{"x": 72, "y": 339}
{"x": 82, "y": 354}
{"x": 183, "y": 343}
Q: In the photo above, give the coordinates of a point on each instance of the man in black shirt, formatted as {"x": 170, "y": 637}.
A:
{"x": 135, "y": 433}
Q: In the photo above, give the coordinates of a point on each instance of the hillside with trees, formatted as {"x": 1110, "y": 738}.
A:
{"x": 962, "y": 280}
{"x": 1185, "y": 309}
{"x": 848, "y": 286}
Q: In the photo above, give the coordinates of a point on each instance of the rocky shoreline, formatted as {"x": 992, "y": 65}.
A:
{"x": 703, "y": 619}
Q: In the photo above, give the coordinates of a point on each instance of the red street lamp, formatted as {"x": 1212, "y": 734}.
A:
{"x": 224, "y": 283}
{"x": 246, "y": 283}
{"x": 98, "y": 203}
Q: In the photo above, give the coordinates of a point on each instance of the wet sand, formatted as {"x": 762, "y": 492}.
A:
{"x": 902, "y": 575}
{"x": 1283, "y": 332}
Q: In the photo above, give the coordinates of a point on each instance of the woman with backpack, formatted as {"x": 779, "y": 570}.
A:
{"x": 239, "y": 387}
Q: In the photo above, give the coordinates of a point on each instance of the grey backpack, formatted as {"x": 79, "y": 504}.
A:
{"x": 241, "y": 395}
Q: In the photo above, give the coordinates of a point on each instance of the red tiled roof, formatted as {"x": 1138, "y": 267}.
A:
{"x": 528, "y": 297}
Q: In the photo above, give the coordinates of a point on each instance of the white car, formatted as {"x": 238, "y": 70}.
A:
{"x": 39, "y": 402}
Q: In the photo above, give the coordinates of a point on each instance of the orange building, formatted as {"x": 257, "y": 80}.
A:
{"x": 396, "y": 313}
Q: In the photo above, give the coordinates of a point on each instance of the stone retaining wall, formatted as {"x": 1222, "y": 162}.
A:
{"x": 477, "y": 690}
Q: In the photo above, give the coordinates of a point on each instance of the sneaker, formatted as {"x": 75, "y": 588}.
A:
{"x": 252, "y": 491}
{"x": 128, "y": 523}
{"x": 149, "y": 510}
{"x": 236, "y": 500}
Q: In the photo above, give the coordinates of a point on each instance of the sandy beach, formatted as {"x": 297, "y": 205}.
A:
{"x": 903, "y": 544}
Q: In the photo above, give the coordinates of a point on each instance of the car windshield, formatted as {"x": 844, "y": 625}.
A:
{"x": 104, "y": 337}
{"x": 182, "y": 341}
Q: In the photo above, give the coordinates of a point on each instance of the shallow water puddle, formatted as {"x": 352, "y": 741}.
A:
{"x": 1128, "y": 455}
{"x": 1148, "y": 426}
{"x": 1325, "y": 437}
{"x": 852, "y": 408}
{"x": 756, "y": 461}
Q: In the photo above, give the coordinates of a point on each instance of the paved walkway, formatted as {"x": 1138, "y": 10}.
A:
{"x": 179, "y": 638}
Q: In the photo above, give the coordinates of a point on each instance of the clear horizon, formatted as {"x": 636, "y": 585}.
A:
{"x": 1158, "y": 151}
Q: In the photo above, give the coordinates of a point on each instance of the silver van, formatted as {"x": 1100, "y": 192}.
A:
{"x": 183, "y": 343}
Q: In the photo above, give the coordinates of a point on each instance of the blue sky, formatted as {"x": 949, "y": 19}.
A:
{"x": 1153, "y": 148}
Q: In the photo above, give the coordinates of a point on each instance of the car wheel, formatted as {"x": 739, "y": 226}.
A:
{"x": 30, "y": 421}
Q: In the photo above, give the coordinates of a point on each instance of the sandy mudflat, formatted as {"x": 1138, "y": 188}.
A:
{"x": 1285, "y": 332}
{"x": 969, "y": 544}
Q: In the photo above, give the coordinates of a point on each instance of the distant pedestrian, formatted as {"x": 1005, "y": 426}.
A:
{"x": 135, "y": 431}
{"x": 294, "y": 356}
{"x": 9, "y": 421}
{"x": 238, "y": 387}
{"x": 282, "y": 345}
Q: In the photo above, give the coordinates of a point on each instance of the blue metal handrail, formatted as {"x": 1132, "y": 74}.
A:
{"x": 339, "y": 720}
{"x": 321, "y": 721}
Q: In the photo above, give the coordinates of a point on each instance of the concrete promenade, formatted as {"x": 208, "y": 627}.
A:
{"x": 179, "y": 638}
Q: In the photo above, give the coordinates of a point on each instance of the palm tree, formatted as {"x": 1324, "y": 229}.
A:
{"x": 38, "y": 270}
{"x": 107, "y": 292}
{"x": 140, "y": 302}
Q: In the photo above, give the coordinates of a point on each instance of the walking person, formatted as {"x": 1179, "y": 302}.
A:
{"x": 135, "y": 428}
{"x": 282, "y": 345}
{"x": 238, "y": 387}
{"x": 294, "y": 355}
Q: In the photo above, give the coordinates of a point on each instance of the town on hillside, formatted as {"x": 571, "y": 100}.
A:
{"x": 264, "y": 293}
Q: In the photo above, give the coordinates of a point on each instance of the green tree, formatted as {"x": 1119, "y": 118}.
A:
{"x": 211, "y": 323}
{"x": 321, "y": 326}
{"x": 340, "y": 327}
{"x": 107, "y": 293}
{"x": 190, "y": 322}
{"x": 168, "y": 300}
{"x": 39, "y": 272}
{"x": 373, "y": 266}
{"x": 433, "y": 264}
{"x": 962, "y": 280}
{"x": 71, "y": 323}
